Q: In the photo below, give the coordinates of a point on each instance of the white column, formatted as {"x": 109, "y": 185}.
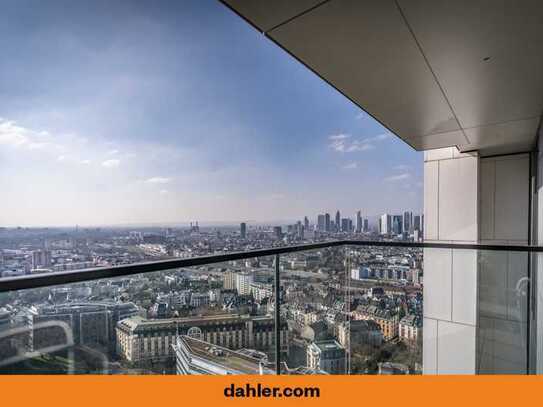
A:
{"x": 468, "y": 199}
{"x": 450, "y": 276}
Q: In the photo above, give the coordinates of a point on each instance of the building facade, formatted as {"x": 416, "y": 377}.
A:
{"x": 140, "y": 339}
{"x": 328, "y": 356}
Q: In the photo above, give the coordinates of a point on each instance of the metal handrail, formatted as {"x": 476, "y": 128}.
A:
{"x": 77, "y": 276}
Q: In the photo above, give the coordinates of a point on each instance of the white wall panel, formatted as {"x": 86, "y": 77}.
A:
{"x": 456, "y": 348}
{"x": 458, "y": 185}
{"x": 431, "y": 182}
{"x": 437, "y": 283}
{"x": 464, "y": 286}
{"x": 429, "y": 346}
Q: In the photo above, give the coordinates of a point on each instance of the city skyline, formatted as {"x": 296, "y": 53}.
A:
{"x": 144, "y": 121}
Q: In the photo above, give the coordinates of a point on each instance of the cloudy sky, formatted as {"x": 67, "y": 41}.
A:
{"x": 126, "y": 112}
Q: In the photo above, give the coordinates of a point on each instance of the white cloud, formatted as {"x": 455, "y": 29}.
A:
{"x": 350, "y": 166}
{"x": 13, "y": 135}
{"x": 61, "y": 158}
{"x": 343, "y": 143}
{"x": 112, "y": 152}
{"x": 339, "y": 136}
{"x": 163, "y": 192}
{"x": 111, "y": 163}
{"x": 158, "y": 180}
{"x": 85, "y": 162}
{"x": 360, "y": 115}
{"x": 399, "y": 177}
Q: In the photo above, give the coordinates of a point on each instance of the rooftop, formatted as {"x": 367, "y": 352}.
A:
{"x": 243, "y": 361}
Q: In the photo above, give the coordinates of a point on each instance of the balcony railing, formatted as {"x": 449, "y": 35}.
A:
{"x": 344, "y": 306}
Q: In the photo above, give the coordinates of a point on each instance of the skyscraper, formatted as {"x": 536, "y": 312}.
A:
{"x": 327, "y": 222}
{"x": 243, "y": 230}
{"x": 321, "y": 223}
{"x": 338, "y": 220}
{"x": 346, "y": 225}
{"x": 416, "y": 222}
{"x": 385, "y": 224}
{"x": 397, "y": 224}
{"x": 366, "y": 226}
{"x": 407, "y": 221}
{"x": 306, "y": 223}
{"x": 358, "y": 222}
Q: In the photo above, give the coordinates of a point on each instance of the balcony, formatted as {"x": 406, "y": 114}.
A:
{"x": 337, "y": 307}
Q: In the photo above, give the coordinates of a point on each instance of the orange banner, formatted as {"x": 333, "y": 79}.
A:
{"x": 172, "y": 391}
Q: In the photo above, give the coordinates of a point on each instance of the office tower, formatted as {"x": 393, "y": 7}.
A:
{"x": 338, "y": 220}
{"x": 278, "y": 232}
{"x": 385, "y": 224}
{"x": 41, "y": 258}
{"x": 397, "y": 224}
{"x": 321, "y": 223}
{"x": 327, "y": 222}
{"x": 358, "y": 222}
{"x": 416, "y": 222}
{"x": 243, "y": 230}
{"x": 407, "y": 221}
{"x": 306, "y": 223}
{"x": 346, "y": 225}
{"x": 366, "y": 226}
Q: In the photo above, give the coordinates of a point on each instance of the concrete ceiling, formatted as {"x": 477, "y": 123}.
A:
{"x": 437, "y": 73}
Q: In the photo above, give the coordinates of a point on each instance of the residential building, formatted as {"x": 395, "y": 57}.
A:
{"x": 326, "y": 355}
{"x": 229, "y": 280}
{"x": 41, "y": 259}
{"x": 359, "y": 332}
{"x": 244, "y": 281}
{"x": 410, "y": 328}
{"x": 387, "y": 320}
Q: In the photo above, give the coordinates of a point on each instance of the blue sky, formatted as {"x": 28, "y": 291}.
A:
{"x": 128, "y": 111}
